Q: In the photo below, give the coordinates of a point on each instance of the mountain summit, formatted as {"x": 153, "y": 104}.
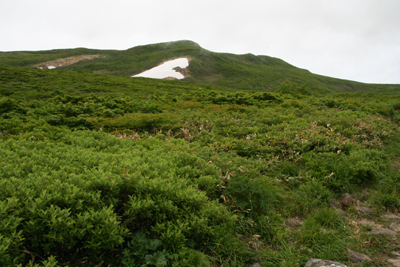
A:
{"x": 246, "y": 72}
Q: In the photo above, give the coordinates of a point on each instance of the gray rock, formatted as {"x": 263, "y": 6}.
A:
{"x": 364, "y": 210}
{"x": 346, "y": 201}
{"x": 396, "y": 254}
{"x": 356, "y": 257}
{"x": 395, "y": 263}
{"x": 323, "y": 263}
{"x": 369, "y": 223}
{"x": 383, "y": 231}
{"x": 394, "y": 227}
{"x": 255, "y": 265}
{"x": 390, "y": 217}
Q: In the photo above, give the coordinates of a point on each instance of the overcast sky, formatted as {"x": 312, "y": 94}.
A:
{"x": 350, "y": 39}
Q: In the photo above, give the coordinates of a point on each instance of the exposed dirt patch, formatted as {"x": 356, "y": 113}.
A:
{"x": 170, "y": 78}
{"x": 293, "y": 223}
{"x": 62, "y": 62}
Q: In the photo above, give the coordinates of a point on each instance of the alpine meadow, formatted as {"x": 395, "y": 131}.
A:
{"x": 247, "y": 160}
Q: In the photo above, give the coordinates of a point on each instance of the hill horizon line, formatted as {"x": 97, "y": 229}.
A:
{"x": 241, "y": 71}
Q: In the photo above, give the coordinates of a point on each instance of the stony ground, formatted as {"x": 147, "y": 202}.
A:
{"x": 375, "y": 234}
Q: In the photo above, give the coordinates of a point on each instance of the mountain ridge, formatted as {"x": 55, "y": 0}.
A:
{"x": 245, "y": 71}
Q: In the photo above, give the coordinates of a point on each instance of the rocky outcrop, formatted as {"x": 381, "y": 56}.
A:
{"x": 394, "y": 227}
{"x": 390, "y": 217}
{"x": 395, "y": 262}
{"x": 382, "y": 231}
{"x": 358, "y": 258}
{"x": 364, "y": 210}
{"x": 390, "y": 229}
{"x": 369, "y": 223}
{"x": 323, "y": 263}
{"x": 346, "y": 201}
{"x": 185, "y": 72}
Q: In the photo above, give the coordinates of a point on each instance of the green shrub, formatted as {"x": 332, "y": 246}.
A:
{"x": 342, "y": 173}
{"x": 324, "y": 234}
{"x": 90, "y": 192}
{"x": 387, "y": 201}
{"x": 11, "y": 237}
{"x": 309, "y": 196}
{"x": 190, "y": 257}
{"x": 254, "y": 195}
{"x": 142, "y": 251}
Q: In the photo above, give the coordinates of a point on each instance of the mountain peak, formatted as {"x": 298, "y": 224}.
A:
{"x": 245, "y": 72}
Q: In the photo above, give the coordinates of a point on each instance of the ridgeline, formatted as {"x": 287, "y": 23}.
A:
{"x": 244, "y": 72}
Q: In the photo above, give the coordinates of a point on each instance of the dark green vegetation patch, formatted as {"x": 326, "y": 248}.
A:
{"x": 104, "y": 170}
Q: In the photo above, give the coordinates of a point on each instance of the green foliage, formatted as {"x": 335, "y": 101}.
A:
{"x": 50, "y": 262}
{"x": 190, "y": 257}
{"x": 291, "y": 89}
{"x": 324, "y": 233}
{"x": 387, "y": 201}
{"x": 109, "y": 170}
{"x": 81, "y": 203}
{"x": 11, "y": 238}
{"x": 255, "y": 195}
{"x": 322, "y": 236}
{"x": 142, "y": 251}
{"x": 342, "y": 173}
{"x": 310, "y": 196}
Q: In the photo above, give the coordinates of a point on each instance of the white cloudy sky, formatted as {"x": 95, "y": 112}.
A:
{"x": 351, "y": 39}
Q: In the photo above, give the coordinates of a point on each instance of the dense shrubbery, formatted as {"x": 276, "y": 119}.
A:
{"x": 193, "y": 177}
{"x": 83, "y": 196}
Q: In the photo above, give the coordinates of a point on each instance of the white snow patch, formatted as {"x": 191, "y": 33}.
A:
{"x": 166, "y": 69}
{"x": 51, "y": 67}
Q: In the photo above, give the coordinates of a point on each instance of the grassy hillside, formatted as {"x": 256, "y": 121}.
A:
{"x": 31, "y": 83}
{"x": 246, "y": 72}
{"x": 104, "y": 170}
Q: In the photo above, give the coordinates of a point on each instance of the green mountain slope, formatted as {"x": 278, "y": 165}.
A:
{"x": 33, "y": 83}
{"x": 246, "y": 72}
{"x": 106, "y": 170}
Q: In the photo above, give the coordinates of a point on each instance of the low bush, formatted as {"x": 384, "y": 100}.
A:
{"x": 89, "y": 202}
